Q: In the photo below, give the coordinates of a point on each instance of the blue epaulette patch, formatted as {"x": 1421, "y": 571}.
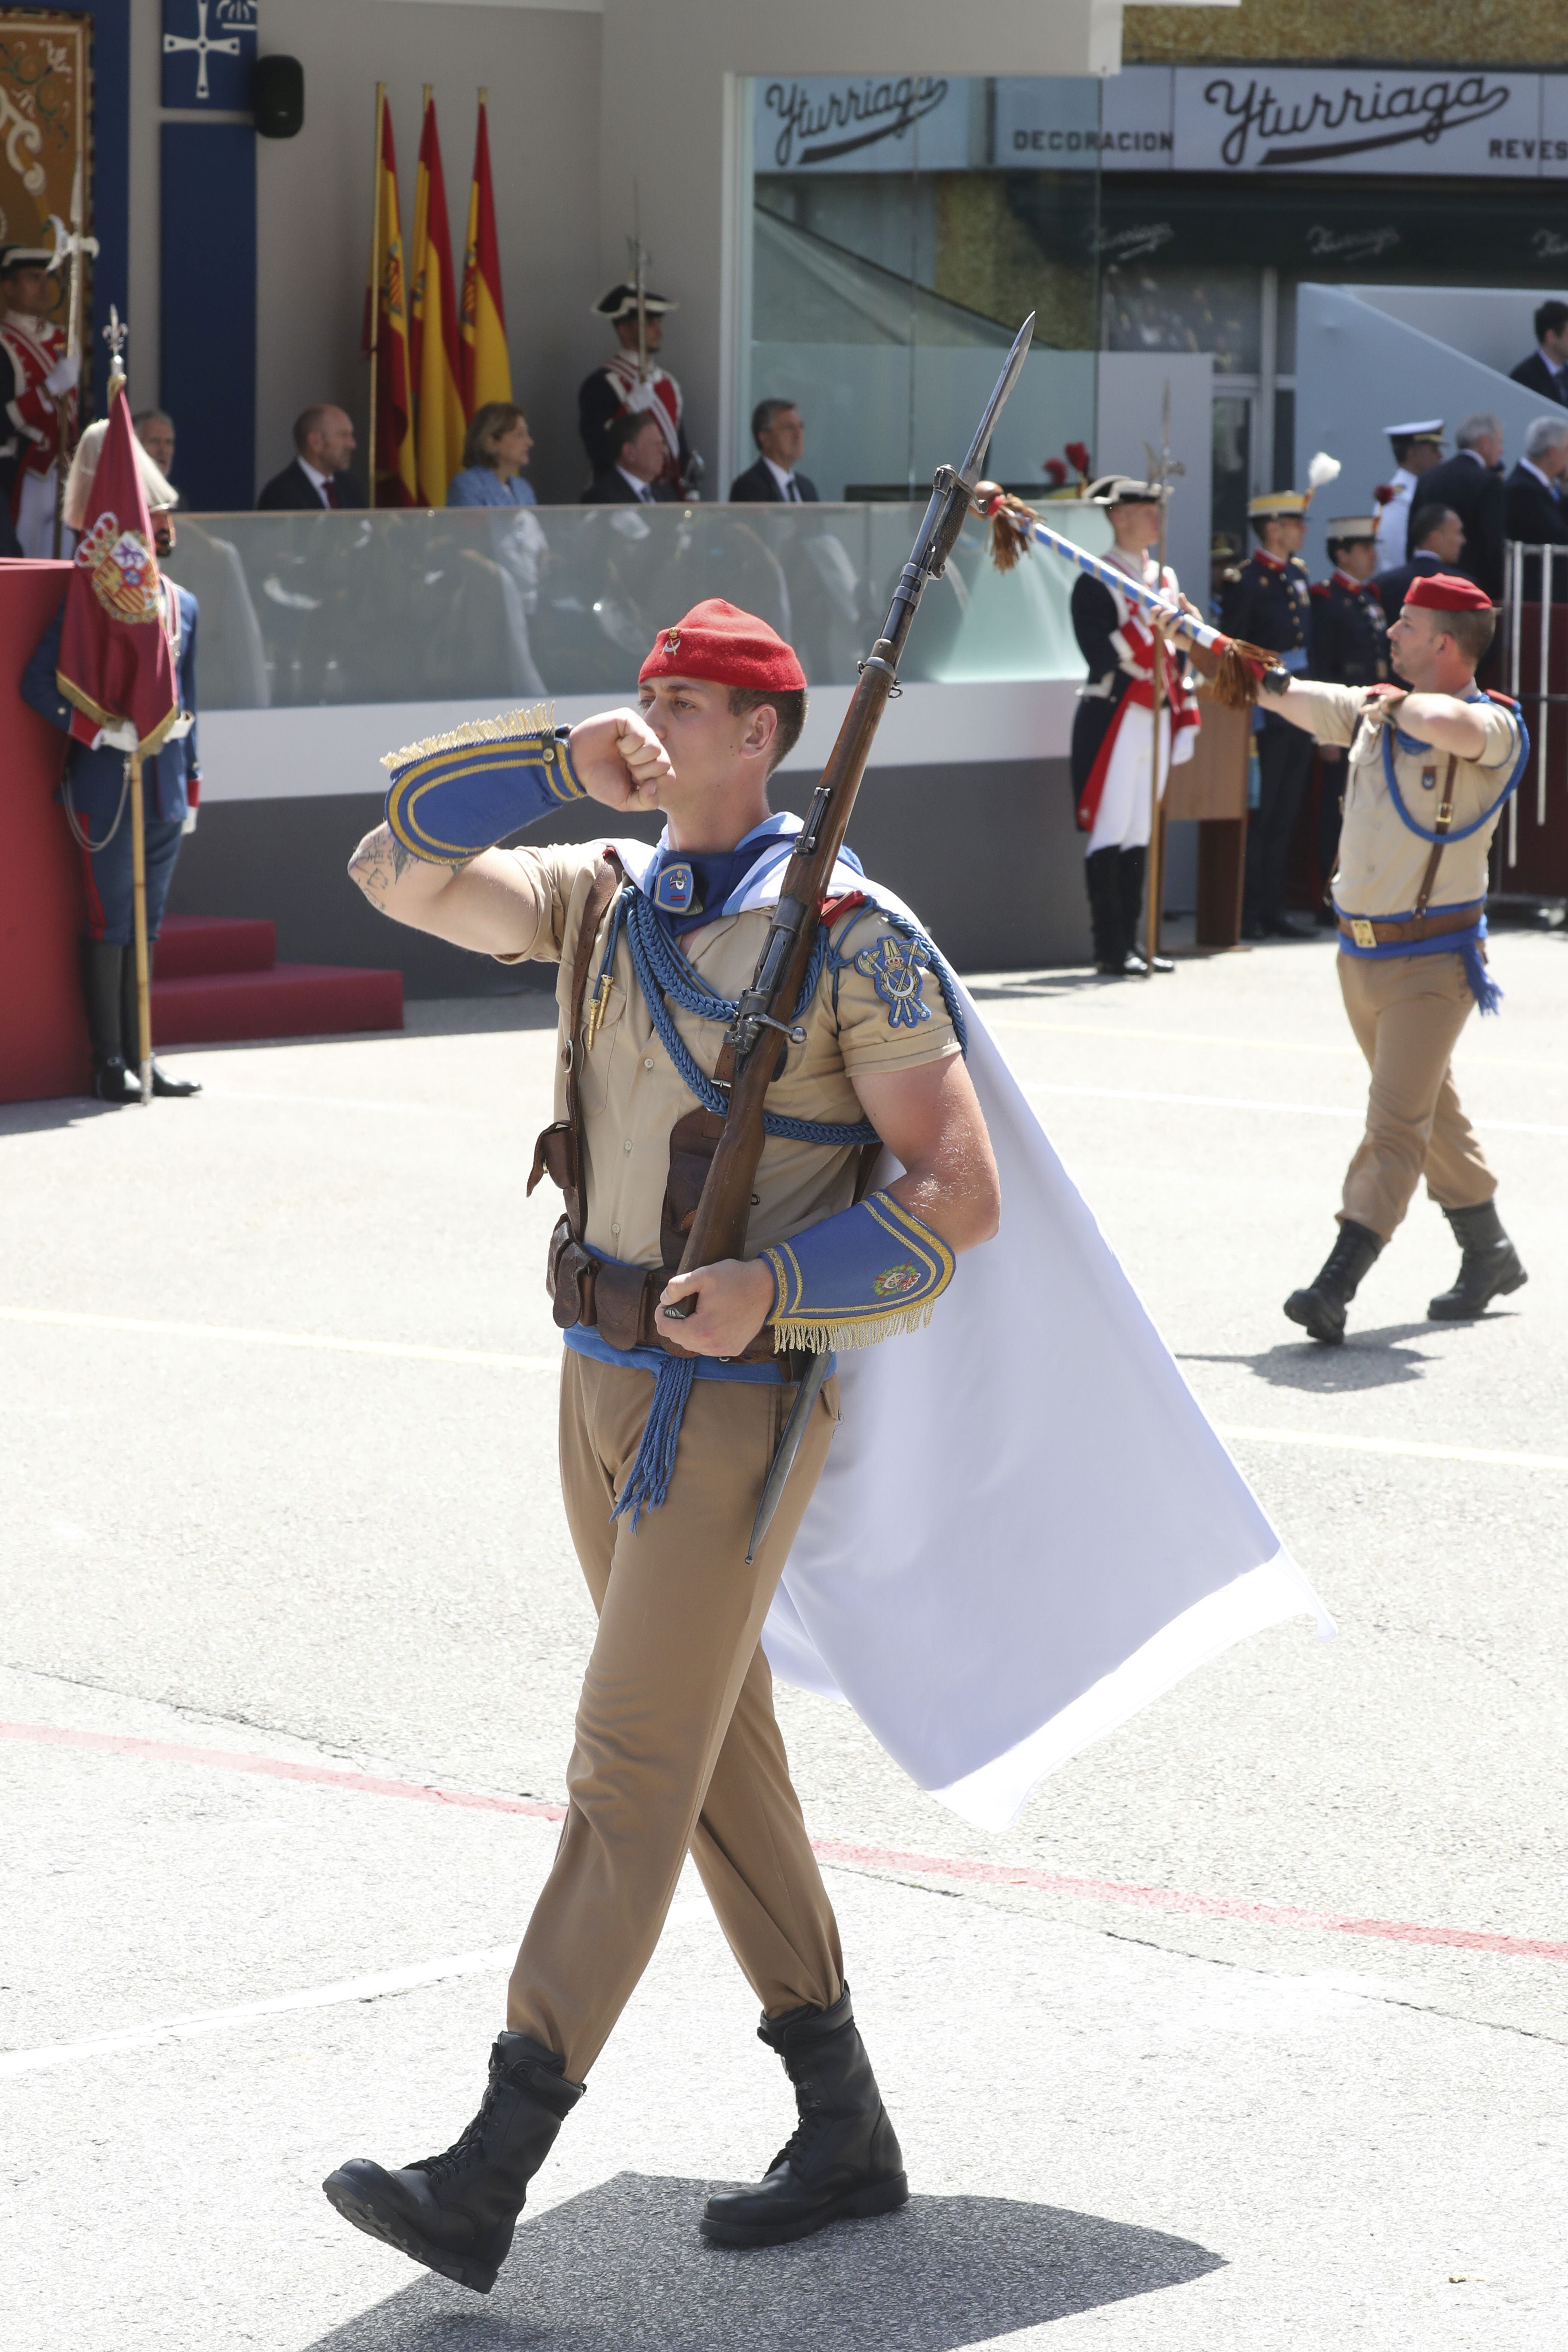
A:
{"x": 898, "y": 968}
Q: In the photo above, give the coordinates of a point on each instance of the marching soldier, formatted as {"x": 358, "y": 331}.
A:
{"x": 621, "y": 385}
{"x": 37, "y": 395}
{"x": 677, "y": 1745}
{"x": 1429, "y": 768}
{"x": 1113, "y": 730}
{"x": 1348, "y": 647}
{"x": 1268, "y": 600}
{"x": 95, "y": 799}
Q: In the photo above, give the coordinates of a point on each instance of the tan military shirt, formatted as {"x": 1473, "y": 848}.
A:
{"x": 631, "y": 1094}
{"x": 1381, "y": 860}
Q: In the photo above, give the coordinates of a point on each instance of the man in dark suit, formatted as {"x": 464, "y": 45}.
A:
{"x": 1442, "y": 544}
{"x": 1546, "y": 369}
{"x": 635, "y": 473}
{"x": 780, "y": 437}
{"x": 1470, "y": 482}
{"x": 1533, "y": 505}
{"x": 319, "y": 477}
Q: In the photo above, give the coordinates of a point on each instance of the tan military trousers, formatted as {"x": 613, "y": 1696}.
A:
{"x": 1407, "y": 1012}
{"x": 677, "y": 1749}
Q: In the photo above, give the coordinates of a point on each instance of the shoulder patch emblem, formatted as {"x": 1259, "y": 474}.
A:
{"x": 898, "y": 970}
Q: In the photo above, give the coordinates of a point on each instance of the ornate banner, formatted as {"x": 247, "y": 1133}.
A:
{"x": 44, "y": 67}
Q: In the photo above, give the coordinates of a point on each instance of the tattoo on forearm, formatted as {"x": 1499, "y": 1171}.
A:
{"x": 378, "y": 863}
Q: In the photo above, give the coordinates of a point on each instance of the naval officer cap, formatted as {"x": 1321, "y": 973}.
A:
{"x": 620, "y": 301}
{"x": 719, "y": 642}
{"x": 1428, "y": 428}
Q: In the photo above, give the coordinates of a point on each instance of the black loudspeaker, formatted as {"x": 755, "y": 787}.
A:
{"x": 278, "y": 97}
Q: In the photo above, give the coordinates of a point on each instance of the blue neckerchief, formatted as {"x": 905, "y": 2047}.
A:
{"x": 690, "y": 888}
{"x": 1413, "y": 743}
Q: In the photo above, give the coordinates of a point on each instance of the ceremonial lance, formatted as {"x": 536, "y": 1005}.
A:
{"x": 1234, "y": 668}
{"x": 68, "y": 248}
{"x": 766, "y": 1017}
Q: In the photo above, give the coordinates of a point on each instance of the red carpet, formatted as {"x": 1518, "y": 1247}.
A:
{"x": 215, "y": 979}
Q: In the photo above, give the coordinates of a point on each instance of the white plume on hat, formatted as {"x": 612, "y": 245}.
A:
{"x": 160, "y": 492}
{"x": 1323, "y": 469}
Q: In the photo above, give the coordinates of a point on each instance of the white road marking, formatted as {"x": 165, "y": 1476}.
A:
{"x": 327, "y": 1996}
{"x": 1273, "y": 1109}
{"x": 487, "y": 1360}
{"x": 1240, "y": 1044}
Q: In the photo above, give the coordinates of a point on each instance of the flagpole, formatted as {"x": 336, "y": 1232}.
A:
{"x": 376, "y": 285}
{"x": 138, "y": 912}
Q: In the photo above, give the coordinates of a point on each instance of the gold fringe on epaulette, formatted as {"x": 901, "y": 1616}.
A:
{"x": 508, "y": 727}
{"x": 833, "y": 1339}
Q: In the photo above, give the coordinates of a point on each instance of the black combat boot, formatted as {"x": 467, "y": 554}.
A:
{"x": 456, "y": 2212}
{"x": 843, "y": 2161}
{"x": 1105, "y": 913}
{"x": 101, "y": 962}
{"x": 1134, "y": 863}
{"x": 163, "y": 1084}
{"x": 1489, "y": 1269}
{"x": 1320, "y": 1307}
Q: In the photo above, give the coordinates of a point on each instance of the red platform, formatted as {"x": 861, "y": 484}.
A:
{"x": 43, "y": 1030}
{"x": 215, "y": 980}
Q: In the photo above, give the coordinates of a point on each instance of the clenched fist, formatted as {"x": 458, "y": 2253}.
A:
{"x": 620, "y": 761}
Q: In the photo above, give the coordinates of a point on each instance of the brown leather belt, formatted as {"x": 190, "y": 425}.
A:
{"x": 1366, "y": 933}
{"x": 620, "y": 1301}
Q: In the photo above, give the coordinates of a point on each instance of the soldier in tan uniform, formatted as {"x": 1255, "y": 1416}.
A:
{"x": 665, "y": 1448}
{"x": 1428, "y": 771}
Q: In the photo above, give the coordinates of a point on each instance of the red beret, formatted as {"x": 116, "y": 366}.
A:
{"x": 1445, "y": 591}
{"x": 718, "y": 640}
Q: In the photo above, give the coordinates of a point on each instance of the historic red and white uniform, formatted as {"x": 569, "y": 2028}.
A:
{"x": 34, "y": 352}
{"x": 1114, "y": 806}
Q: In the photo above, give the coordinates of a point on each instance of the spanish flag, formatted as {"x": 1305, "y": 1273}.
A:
{"x": 485, "y": 369}
{"x": 387, "y": 332}
{"x": 438, "y": 432}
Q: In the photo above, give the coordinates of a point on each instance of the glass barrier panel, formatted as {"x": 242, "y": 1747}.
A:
{"x": 496, "y": 607}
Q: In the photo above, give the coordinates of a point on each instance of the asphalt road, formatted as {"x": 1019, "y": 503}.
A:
{"x": 1250, "y": 2032}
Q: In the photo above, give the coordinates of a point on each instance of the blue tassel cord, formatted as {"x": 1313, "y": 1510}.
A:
{"x": 1483, "y": 987}
{"x": 652, "y": 1471}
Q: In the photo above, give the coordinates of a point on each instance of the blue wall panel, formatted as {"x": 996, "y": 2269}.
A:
{"x": 207, "y": 337}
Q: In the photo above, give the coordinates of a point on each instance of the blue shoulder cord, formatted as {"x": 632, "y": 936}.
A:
{"x": 664, "y": 975}
{"x": 1413, "y": 743}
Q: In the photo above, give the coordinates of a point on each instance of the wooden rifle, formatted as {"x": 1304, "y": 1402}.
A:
{"x": 764, "y": 1025}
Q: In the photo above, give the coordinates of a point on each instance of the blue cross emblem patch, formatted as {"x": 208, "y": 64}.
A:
{"x": 898, "y": 970}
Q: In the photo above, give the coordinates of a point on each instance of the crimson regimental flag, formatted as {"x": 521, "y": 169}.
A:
{"x": 116, "y": 661}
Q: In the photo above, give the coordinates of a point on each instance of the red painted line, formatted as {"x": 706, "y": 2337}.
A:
{"x": 1245, "y": 1908}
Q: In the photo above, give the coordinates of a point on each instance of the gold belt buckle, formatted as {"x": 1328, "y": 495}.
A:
{"x": 1364, "y": 933}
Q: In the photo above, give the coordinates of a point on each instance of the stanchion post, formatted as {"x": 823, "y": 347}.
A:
{"x": 139, "y": 930}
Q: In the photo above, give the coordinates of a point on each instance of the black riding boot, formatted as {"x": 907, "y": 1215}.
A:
{"x": 1132, "y": 867}
{"x": 842, "y": 2162}
{"x": 1489, "y": 1269}
{"x": 456, "y": 2212}
{"x": 100, "y": 985}
{"x": 1320, "y": 1307}
{"x": 1105, "y": 913}
{"x": 163, "y": 1084}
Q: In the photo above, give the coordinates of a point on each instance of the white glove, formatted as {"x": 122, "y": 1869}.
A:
{"x": 182, "y": 726}
{"x": 120, "y": 737}
{"x": 190, "y": 824}
{"x": 63, "y": 375}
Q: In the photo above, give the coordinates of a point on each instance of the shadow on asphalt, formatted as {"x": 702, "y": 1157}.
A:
{"x": 1368, "y": 1359}
{"x": 623, "y": 2267}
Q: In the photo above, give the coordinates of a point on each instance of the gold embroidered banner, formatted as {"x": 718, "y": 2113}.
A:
{"x": 44, "y": 62}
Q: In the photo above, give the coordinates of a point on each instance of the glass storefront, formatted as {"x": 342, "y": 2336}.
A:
{"x": 896, "y": 234}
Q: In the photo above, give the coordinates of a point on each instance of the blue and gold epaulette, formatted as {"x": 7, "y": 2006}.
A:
{"x": 856, "y": 1278}
{"x": 455, "y": 794}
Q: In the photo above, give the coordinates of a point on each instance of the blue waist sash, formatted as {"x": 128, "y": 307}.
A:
{"x": 1467, "y": 942}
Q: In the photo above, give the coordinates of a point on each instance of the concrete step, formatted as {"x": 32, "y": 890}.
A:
{"x": 192, "y": 945}
{"x": 292, "y": 999}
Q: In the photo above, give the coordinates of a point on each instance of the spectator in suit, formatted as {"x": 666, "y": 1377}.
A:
{"x": 1533, "y": 505}
{"x": 780, "y": 437}
{"x": 635, "y": 473}
{"x": 1546, "y": 369}
{"x": 319, "y": 477}
{"x": 1441, "y": 545}
{"x": 1470, "y": 482}
{"x": 155, "y": 428}
{"x": 494, "y": 450}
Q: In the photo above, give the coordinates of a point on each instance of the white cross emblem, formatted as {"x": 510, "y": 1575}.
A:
{"x": 203, "y": 45}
